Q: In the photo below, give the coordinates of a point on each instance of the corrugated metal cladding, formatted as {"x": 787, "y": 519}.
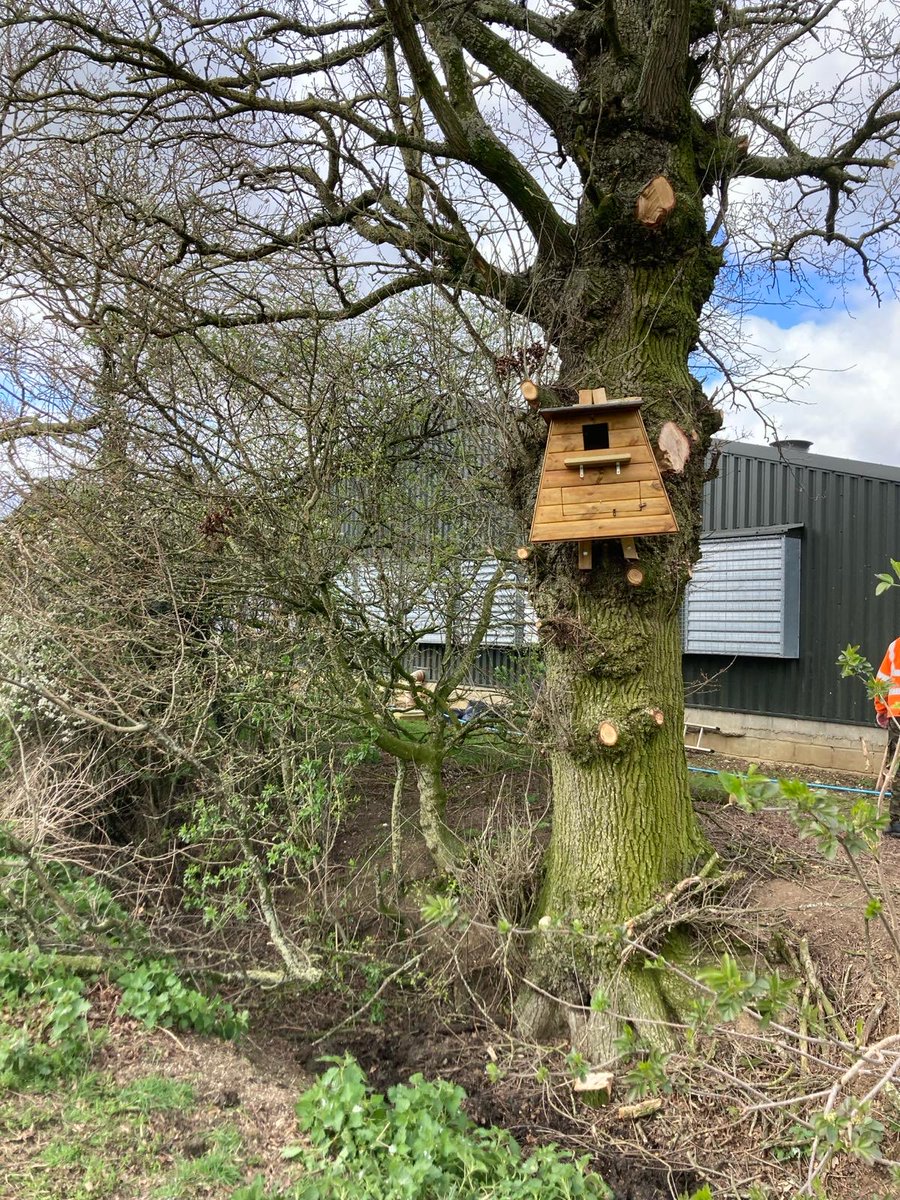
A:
{"x": 454, "y": 602}
{"x": 744, "y": 597}
{"x": 848, "y": 514}
{"x": 494, "y": 666}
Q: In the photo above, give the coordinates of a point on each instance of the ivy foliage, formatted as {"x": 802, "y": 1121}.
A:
{"x": 61, "y": 933}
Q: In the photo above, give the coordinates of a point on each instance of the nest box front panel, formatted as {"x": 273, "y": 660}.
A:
{"x": 600, "y": 478}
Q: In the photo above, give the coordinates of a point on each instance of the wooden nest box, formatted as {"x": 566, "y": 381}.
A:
{"x": 600, "y": 478}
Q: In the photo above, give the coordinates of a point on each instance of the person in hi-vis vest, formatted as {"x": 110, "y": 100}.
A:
{"x": 887, "y": 714}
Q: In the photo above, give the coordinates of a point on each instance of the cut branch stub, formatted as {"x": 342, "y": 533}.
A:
{"x": 655, "y": 203}
{"x": 657, "y": 716}
{"x": 607, "y": 733}
{"x": 595, "y": 1088}
{"x": 635, "y": 576}
{"x": 531, "y": 392}
{"x": 523, "y": 553}
{"x": 674, "y": 448}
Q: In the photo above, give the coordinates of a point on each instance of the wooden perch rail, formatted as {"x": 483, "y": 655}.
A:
{"x": 597, "y": 458}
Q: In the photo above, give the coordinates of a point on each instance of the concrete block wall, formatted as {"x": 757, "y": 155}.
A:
{"x": 791, "y": 741}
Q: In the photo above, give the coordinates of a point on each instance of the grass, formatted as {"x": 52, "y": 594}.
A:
{"x": 95, "y": 1140}
{"x": 219, "y": 1166}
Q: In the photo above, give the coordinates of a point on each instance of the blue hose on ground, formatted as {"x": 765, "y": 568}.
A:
{"x": 827, "y": 787}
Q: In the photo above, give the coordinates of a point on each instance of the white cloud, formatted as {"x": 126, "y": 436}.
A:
{"x": 849, "y": 405}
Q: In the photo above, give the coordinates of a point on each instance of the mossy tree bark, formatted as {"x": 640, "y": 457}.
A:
{"x": 625, "y": 318}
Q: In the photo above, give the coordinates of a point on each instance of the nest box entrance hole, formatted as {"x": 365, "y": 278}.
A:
{"x": 596, "y": 436}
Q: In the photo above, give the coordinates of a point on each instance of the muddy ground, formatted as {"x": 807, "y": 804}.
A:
{"x": 459, "y": 1021}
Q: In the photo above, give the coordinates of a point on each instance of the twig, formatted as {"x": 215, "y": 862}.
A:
{"x": 396, "y": 827}
{"x": 815, "y": 1170}
{"x": 872, "y": 1019}
{"x": 804, "y": 1032}
{"x": 407, "y": 966}
{"x": 889, "y": 925}
{"x": 809, "y": 971}
{"x": 180, "y": 1044}
{"x": 685, "y": 885}
{"x": 644, "y": 1108}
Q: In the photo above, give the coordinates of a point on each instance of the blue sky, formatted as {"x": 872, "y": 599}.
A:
{"x": 846, "y": 399}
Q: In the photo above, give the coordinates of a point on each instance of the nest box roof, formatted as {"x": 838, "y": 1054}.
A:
{"x": 588, "y": 411}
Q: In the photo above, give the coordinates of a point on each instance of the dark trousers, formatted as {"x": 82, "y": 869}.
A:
{"x": 893, "y": 737}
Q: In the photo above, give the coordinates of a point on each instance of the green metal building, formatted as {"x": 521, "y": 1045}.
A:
{"x": 791, "y": 545}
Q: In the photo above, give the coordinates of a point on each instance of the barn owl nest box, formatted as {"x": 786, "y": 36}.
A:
{"x": 600, "y": 478}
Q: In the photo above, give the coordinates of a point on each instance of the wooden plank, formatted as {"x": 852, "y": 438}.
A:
{"x": 629, "y": 550}
{"x": 560, "y": 477}
{"x": 585, "y": 556}
{"x": 625, "y": 438}
{"x": 585, "y": 396}
{"x": 569, "y": 426}
{"x": 553, "y": 495}
{"x": 625, "y": 497}
{"x": 627, "y": 409}
{"x": 573, "y": 531}
{"x": 573, "y": 439}
{"x": 619, "y": 439}
{"x": 601, "y": 491}
{"x": 586, "y": 509}
{"x": 626, "y": 403}
{"x": 541, "y": 485}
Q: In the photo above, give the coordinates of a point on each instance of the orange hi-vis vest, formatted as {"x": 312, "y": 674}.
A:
{"x": 890, "y": 672}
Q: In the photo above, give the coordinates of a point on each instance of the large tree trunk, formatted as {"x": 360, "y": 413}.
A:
{"x": 624, "y": 830}
{"x": 623, "y": 824}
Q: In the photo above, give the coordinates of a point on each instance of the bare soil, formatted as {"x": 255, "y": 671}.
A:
{"x": 783, "y": 889}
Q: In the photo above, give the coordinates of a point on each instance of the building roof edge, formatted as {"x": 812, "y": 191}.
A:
{"x": 803, "y": 458}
